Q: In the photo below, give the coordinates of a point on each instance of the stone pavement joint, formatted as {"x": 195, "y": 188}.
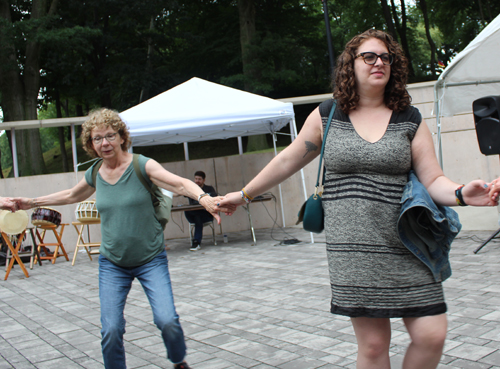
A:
{"x": 241, "y": 306}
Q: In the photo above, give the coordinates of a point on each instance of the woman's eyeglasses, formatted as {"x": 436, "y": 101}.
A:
{"x": 371, "y": 58}
{"x": 109, "y": 137}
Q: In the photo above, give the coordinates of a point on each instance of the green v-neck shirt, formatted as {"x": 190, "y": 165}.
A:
{"x": 131, "y": 234}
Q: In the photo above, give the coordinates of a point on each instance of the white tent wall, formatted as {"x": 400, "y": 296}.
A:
{"x": 472, "y": 74}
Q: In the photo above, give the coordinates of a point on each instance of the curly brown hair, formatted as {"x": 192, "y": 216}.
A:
{"x": 104, "y": 118}
{"x": 396, "y": 96}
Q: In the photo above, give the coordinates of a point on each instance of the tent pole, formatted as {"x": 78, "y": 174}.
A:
{"x": 14, "y": 152}
{"x": 73, "y": 147}
{"x": 186, "y": 151}
{"x": 279, "y": 186}
{"x": 295, "y": 133}
{"x": 240, "y": 145}
{"x": 438, "y": 125}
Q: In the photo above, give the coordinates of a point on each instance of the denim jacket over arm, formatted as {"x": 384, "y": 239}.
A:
{"x": 427, "y": 229}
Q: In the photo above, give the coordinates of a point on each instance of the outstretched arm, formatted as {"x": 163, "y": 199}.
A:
{"x": 76, "y": 194}
{"x": 298, "y": 154}
{"x": 182, "y": 186}
{"x": 441, "y": 188}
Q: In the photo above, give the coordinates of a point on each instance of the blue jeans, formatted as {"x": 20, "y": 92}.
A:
{"x": 198, "y": 217}
{"x": 114, "y": 285}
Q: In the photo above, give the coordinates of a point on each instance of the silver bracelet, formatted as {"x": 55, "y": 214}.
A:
{"x": 202, "y": 195}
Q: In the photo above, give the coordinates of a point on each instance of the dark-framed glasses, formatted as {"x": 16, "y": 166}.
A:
{"x": 371, "y": 58}
{"x": 109, "y": 137}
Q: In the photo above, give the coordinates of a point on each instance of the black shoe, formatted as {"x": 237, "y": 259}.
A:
{"x": 182, "y": 365}
{"x": 195, "y": 246}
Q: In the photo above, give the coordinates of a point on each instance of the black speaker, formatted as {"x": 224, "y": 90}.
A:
{"x": 487, "y": 119}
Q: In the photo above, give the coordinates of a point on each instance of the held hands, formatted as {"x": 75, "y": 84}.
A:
{"x": 24, "y": 203}
{"x": 230, "y": 202}
{"x": 494, "y": 188}
{"x": 7, "y": 203}
{"x": 211, "y": 205}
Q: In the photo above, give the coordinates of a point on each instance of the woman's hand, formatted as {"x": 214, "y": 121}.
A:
{"x": 480, "y": 193}
{"x": 7, "y": 203}
{"x": 230, "y": 202}
{"x": 211, "y": 205}
{"x": 494, "y": 190}
{"x": 24, "y": 203}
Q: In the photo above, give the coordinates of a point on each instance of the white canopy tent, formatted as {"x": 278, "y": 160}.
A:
{"x": 198, "y": 110}
{"x": 472, "y": 74}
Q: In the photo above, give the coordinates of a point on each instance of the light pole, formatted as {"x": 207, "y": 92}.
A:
{"x": 329, "y": 36}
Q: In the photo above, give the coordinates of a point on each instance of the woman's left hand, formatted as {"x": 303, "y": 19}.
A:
{"x": 494, "y": 190}
{"x": 480, "y": 193}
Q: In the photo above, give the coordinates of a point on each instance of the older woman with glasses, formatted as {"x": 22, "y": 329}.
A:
{"x": 375, "y": 138}
{"x": 132, "y": 238}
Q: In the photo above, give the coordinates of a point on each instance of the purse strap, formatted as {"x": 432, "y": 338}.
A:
{"x": 332, "y": 110}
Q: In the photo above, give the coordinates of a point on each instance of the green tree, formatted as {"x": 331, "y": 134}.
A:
{"x": 23, "y": 25}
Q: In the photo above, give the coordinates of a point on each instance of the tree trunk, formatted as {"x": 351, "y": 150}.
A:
{"x": 62, "y": 139}
{"x": 483, "y": 21}
{"x": 402, "y": 28}
{"x": 423, "y": 8}
{"x": 145, "y": 88}
{"x": 246, "y": 9}
{"x": 388, "y": 19}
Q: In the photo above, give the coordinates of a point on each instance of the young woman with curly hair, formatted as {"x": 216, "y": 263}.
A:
{"x": 375, "y": 138}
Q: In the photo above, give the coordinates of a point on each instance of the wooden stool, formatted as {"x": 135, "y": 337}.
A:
{"x": 59, "y": 245}
{"x": 80, "y": 242}
{"x": 15, "y": 253}
{"x": 32, "y": 254}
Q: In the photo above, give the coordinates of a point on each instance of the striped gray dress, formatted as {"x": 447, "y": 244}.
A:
{"x": 372, "y": 274}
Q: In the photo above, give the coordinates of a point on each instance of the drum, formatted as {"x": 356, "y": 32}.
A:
{"x": 86, "y": 212}
{"x": 13, "y": 223}
{"x": 45, "y": 216}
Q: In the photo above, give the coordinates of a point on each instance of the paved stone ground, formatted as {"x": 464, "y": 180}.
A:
{"x": 241, "y": 306}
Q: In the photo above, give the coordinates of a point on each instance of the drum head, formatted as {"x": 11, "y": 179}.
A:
{"x": 13, "y": 223}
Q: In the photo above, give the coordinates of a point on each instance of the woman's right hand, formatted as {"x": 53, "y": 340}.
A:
{"x": 24, "y": 203}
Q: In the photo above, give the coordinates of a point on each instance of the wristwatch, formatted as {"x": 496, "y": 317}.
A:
{"x": 202, "y": 195}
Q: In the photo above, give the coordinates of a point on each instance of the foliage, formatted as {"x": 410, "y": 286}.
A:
{"x": 118, "y": 53}
{"x": 460, "y": 21}
{"x": 6, "y": 153}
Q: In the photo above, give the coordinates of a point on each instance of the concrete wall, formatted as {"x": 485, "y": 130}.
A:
{"x": 461, "y": 158}
{"x": 226, "y": 174}
{"x": 231, "y": 173}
